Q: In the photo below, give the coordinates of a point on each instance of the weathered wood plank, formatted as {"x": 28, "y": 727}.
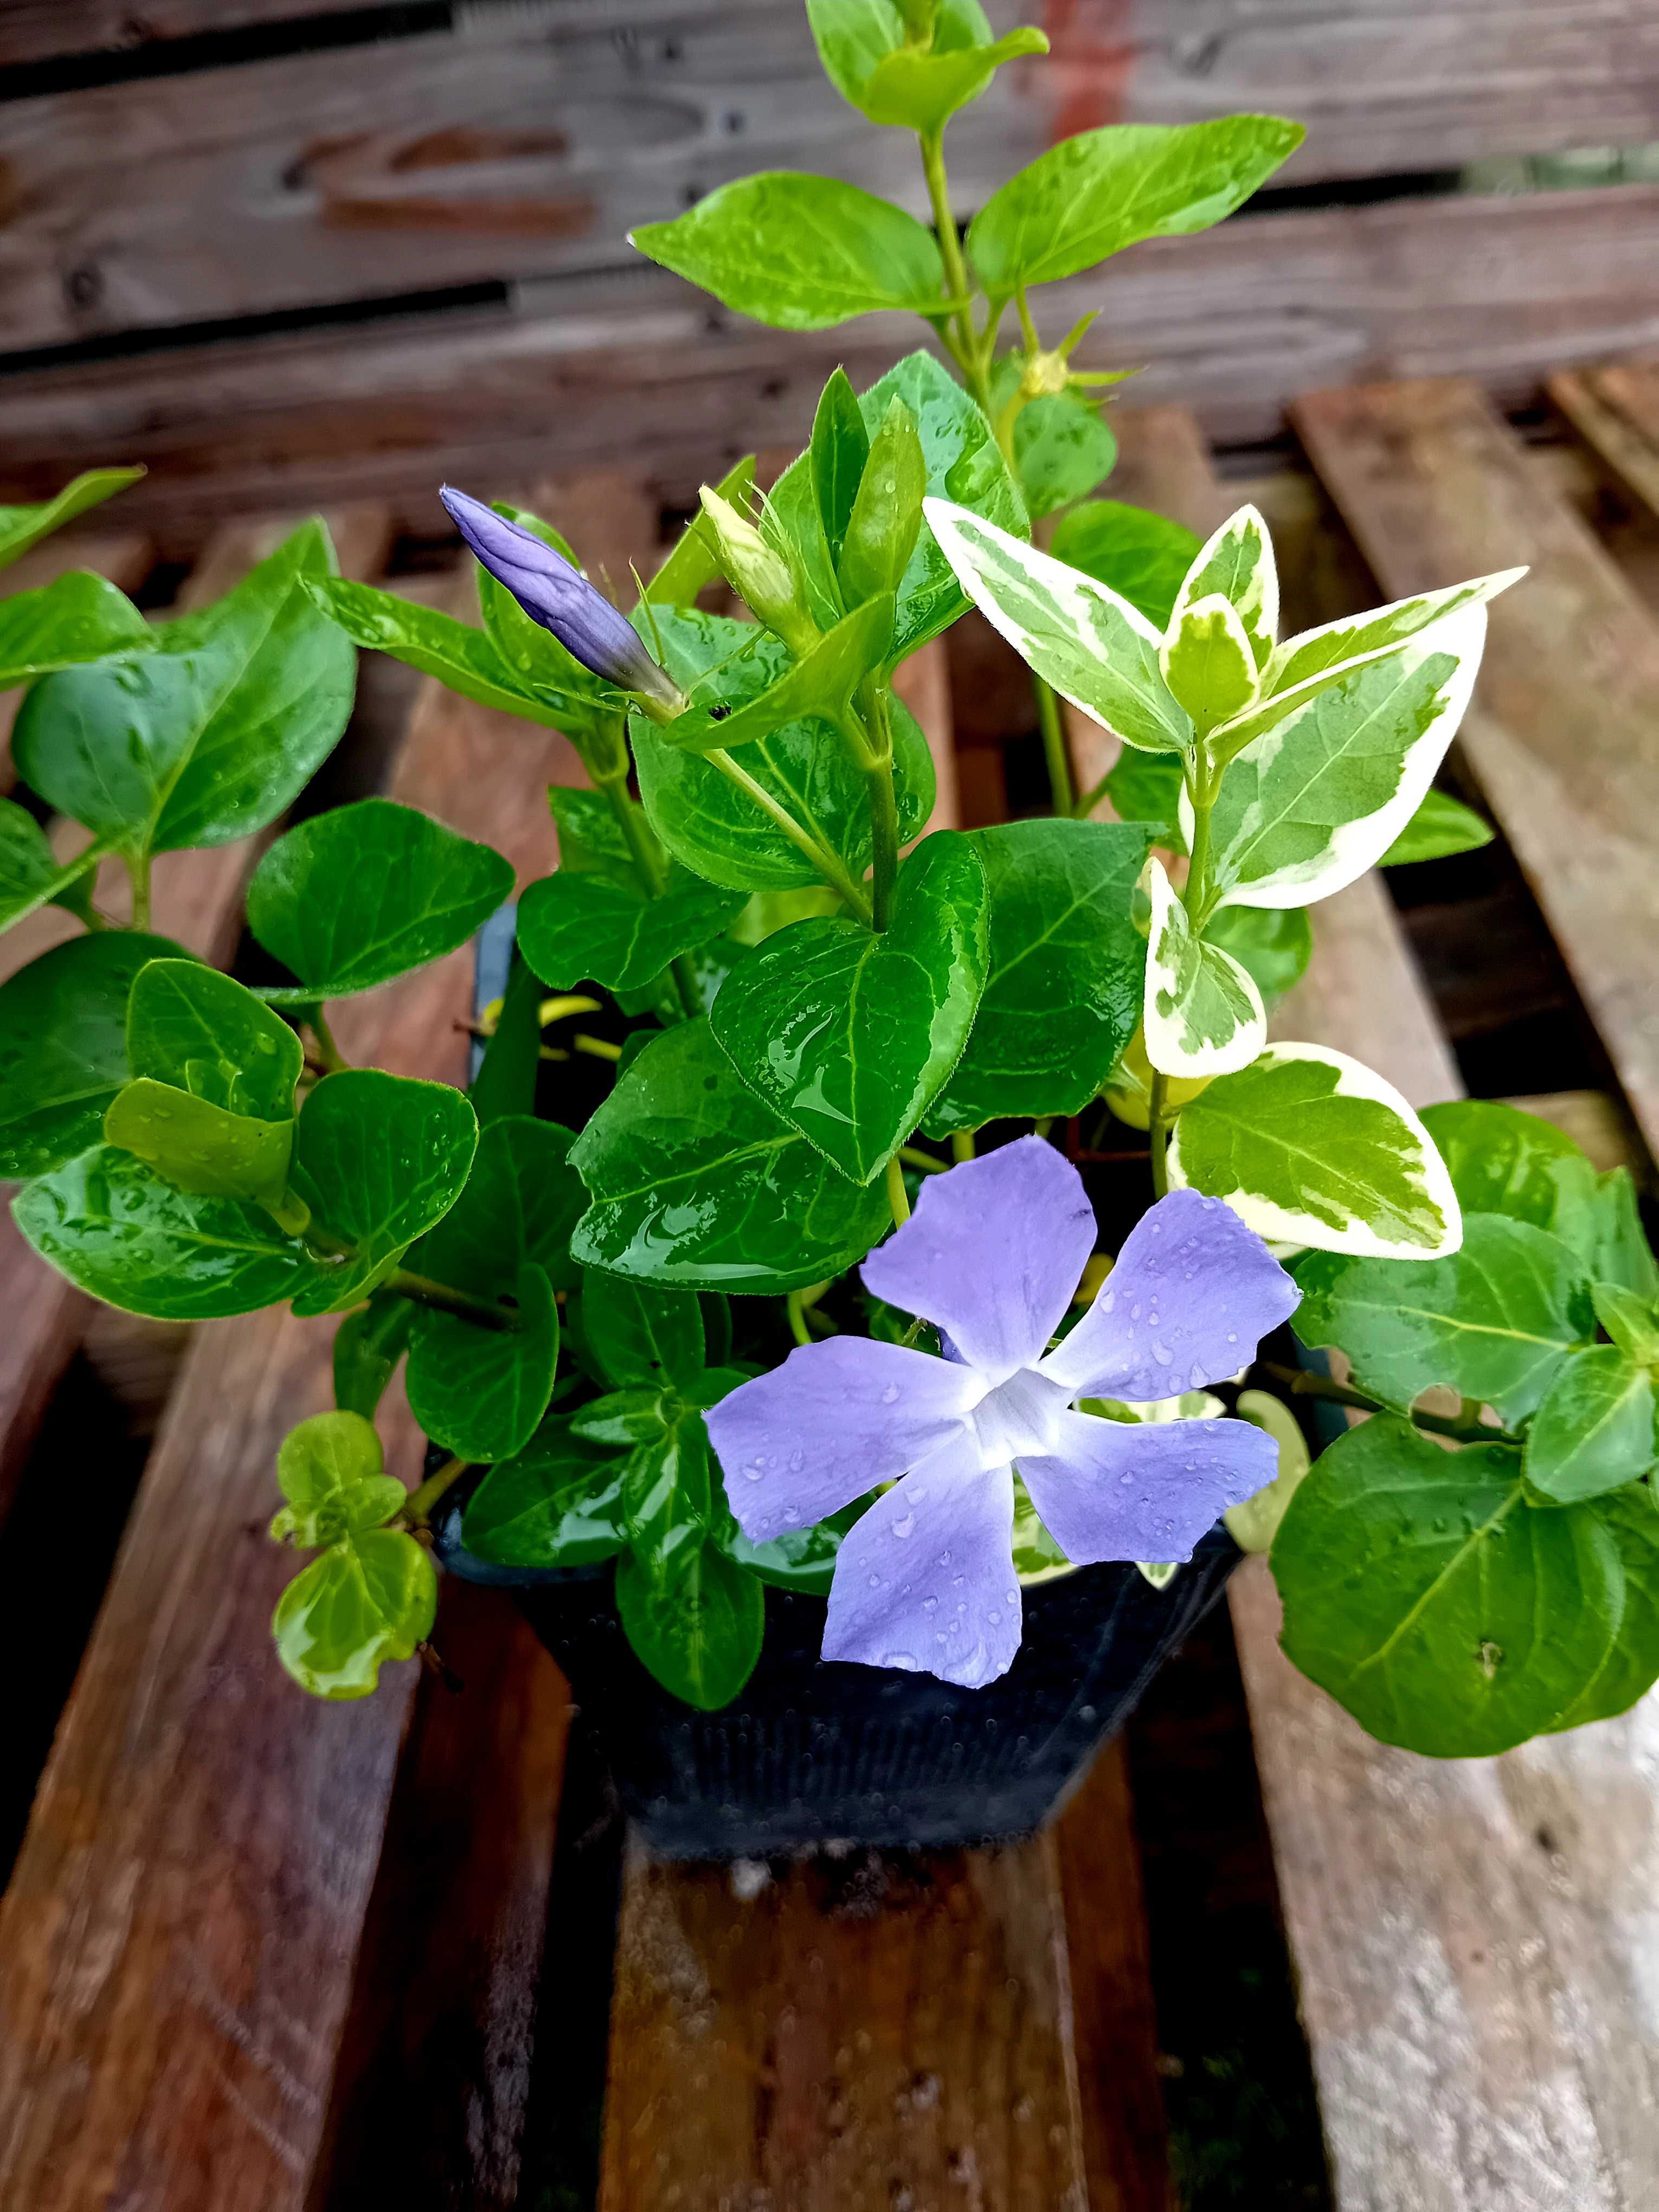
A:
{"x": 176, "y": 1948}
{"x": 1434, "y": 487}
{"x": 1615, "y": 409}
{"x": 644, "y": 374}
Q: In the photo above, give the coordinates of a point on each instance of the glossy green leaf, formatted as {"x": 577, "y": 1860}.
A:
{"x": 697, "y": 1627}
{"x": 799, "y": 252}
{"x": 1440, "y": 827}
{"x": 521, "y": 1201}
{"x": 1631, "y": 1322}
{"x": 1308, "y": 806}
{"x": 365, "y": 1600}
{"x": 849, "y": 1034}
{"x": 557, "y": 1504}
{"x": 1428, "y": 1597}
{"x": 886, "y": 519}
{"x": 1309, "y": 1147}
{"x": 1631, "y": 1664}
{"x": 581, "y": 928}
{"x": 31, "y": 875}
{"x": 668, "y": 1495}
{"x": 125, "y": 1237}
{"x": 198, "y": 1146}
{"x": 480, "y": 1393}
{"x": 352, "y": 898}
{"x": 695, "y": 1183}
{"x": 332, "y": 1472}
{"x": 77, "y": 618}
{"x": 965, "y": 465}
{"x": 1496, "y": 1320}
{"x": 202, "y": 1032}
{"x": 1594, "y": 1429}
{"x": 1143, "y": 557}
{"x": 1092, "y": 195}
{"x": 1147, "y": 788}
{"x": 1062, "y": 450}
{"x": 1063, "y": 994}
{"x": 1610, "y": 1232}
{"x": 717, "y": 830}
{"x": 63, "y": 1045}
{"x": 367, "y": 1346}
{"x": 917, "y": 91}
{"x": 1203, "y": 1013}
{"x": 1272, "y": 944}
{"x": 804, "y": 1560}
{"x": 642, "y": 1334}
{"x": 624, "y": 1418}
{"x": 378, "y": 1159}
{"x": 23, "y": 526}
{"x": 839, "y": 449}
{"x": 820, "y": 683}
{"x": 214, "y": 733}
{"x": 691, "y": 564}
{"x": 1093, "y": 647}
{"x": 855, "y": 37}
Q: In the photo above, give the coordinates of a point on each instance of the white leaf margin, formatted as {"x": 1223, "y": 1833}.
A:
{"x": 1165, "y": 1033}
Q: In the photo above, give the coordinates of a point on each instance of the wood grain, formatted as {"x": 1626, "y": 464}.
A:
{"x": 625, "y": 370}
{"x": 1561, "y": 742}
{"x": 1615, "y": 409}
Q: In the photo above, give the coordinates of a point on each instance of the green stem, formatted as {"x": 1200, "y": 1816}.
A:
{"x": 1462, "y": 1429}
{"x": 596, "y": 1048}
{"x": 869, "y": 734}
{"x": 1061, "y": 791}
{"x": 327, "y": 1051}
{"x": 963, "y": 1146}
{"x": 1086, "y": 806}
{"x": 971, "y": 349}
{"x": 829, "y": 864}
{"x": 923, "y": 1163}
{"x": 418, "y": 1512}
{"x": 1157, "y": 1133}
{"x": 138, "y": 869}
{"x": 447, "y": 1299}
{"x": 898, "y": 1197}
{"x": 1203, "y": 789}
{"x": 797, "y": 1327}
{"x": 651, "y": 876}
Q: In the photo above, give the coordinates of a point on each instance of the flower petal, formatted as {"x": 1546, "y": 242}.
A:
{"x": 992, "y": 1253}
{"x": 1118, "y": 1490}
{"x": 924, "y": 1580}
{"x": 832, "y": 1422}
{"x": 1192, "y": 1295}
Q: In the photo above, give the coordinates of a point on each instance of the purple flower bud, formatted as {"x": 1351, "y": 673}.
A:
{"x": 559, "y": 597}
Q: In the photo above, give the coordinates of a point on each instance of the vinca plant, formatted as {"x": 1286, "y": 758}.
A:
{"x": 778, "y": 1275}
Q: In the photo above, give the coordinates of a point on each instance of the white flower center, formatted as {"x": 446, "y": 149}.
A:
{"x": 1017, "y": 1417}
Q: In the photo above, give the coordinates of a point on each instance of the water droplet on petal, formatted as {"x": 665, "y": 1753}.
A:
{"x": 904, "y": 1524}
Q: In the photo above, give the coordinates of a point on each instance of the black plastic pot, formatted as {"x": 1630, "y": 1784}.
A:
{"x": 812, "y": 1752}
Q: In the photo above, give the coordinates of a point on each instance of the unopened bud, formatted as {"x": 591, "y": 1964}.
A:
{"x": 760, "y": 574}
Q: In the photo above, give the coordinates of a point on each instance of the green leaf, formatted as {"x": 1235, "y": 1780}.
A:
{"x": 1063, "y": 994}
{"x": 1308, "y": 805}
{"x": 799, "y": 252}
{"x": 1609, "y": 1232}
{"x": 198, "y": 1146}
{"x": 1440, "y": 827}
{"x": 839, "y": 449}
{"x": 697, "y": 1627}
{"x": 1502, "y": 1161}
{"x": 575, "y": 928}
{"x": 1632, "y": 1663}
{"x": 820, "y": 683}
{"x": 1143, "y": 557}
{"x": 1092, "y": 195}
{"x": 1630, "y": 1322}
{"x": 521, "y": 1201}
{"x": 1424, "y": 1594}
{"x": 352, "y": 898}
{"x": 1309, "y": 1147}
{"x": 557, "y": 1504}
{"x": 850, "y": 1034}
{"x": 1339, "y": 644}
{"x": 917, "y": 91}
{"x": 479, "y": 1392}
{"x": 1207, "y": 661}
{"x": 885, "y": 522}
{"x": 1093, "y": 647}
{"x": 717, "y": 830}
{"x": 626, "y": 1418}
{"x": 1147, "y": 788}
{"x": 1204, "y": 1015}
{"x": 694, "y": 1182}
{"x": 1496, "y": 1320}
{"x": 378, "y": 1159}
{"x": 214, "y": 733}
{"x": 77, "y": 618}
{"x": 667, "y": 1494}
{"x": 804, "y": 1560}
{"x": 370, "y": 1599}
{"x": 30, "y": 873}
{"x": 461, "y": 657}
{"x": 640, "y": 1333}
{"x": 125, "y": 1237}
{"x": 691, "y": 565}
{"x": 592, "y": 841}
{"x": 367, "y": 1346}
{"x": 1062, "y": 450}
{"x": 23, "y": 526}
{"x": 1253, "y": 1523}
{"x": 965, "y": 465}
{"x": 190, "y": 1026}
{"x": 1594, "y": 1429}
{"x": 1237, "y": 564}
{"x": 332, "y": 1472}
{"x": 505, "y": 1082}
{"x": 63, "y": 1045}
{"x": 1273, "y": 944}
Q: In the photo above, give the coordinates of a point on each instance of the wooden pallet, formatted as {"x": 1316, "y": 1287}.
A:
{"x": 262, "y": 1953}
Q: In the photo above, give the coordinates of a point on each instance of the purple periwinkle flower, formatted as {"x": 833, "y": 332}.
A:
{"x": 925, "y": 1579}
{"x": 559, "y": 597}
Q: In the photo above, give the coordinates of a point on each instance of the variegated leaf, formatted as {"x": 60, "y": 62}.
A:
{"x": 1203, "y": 1013}
{"x": 1360, "y": 637}
{"x": 1207, "y": 661}
{"x": 1092, "y": 647}
{"x": 1238, "y": 563}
